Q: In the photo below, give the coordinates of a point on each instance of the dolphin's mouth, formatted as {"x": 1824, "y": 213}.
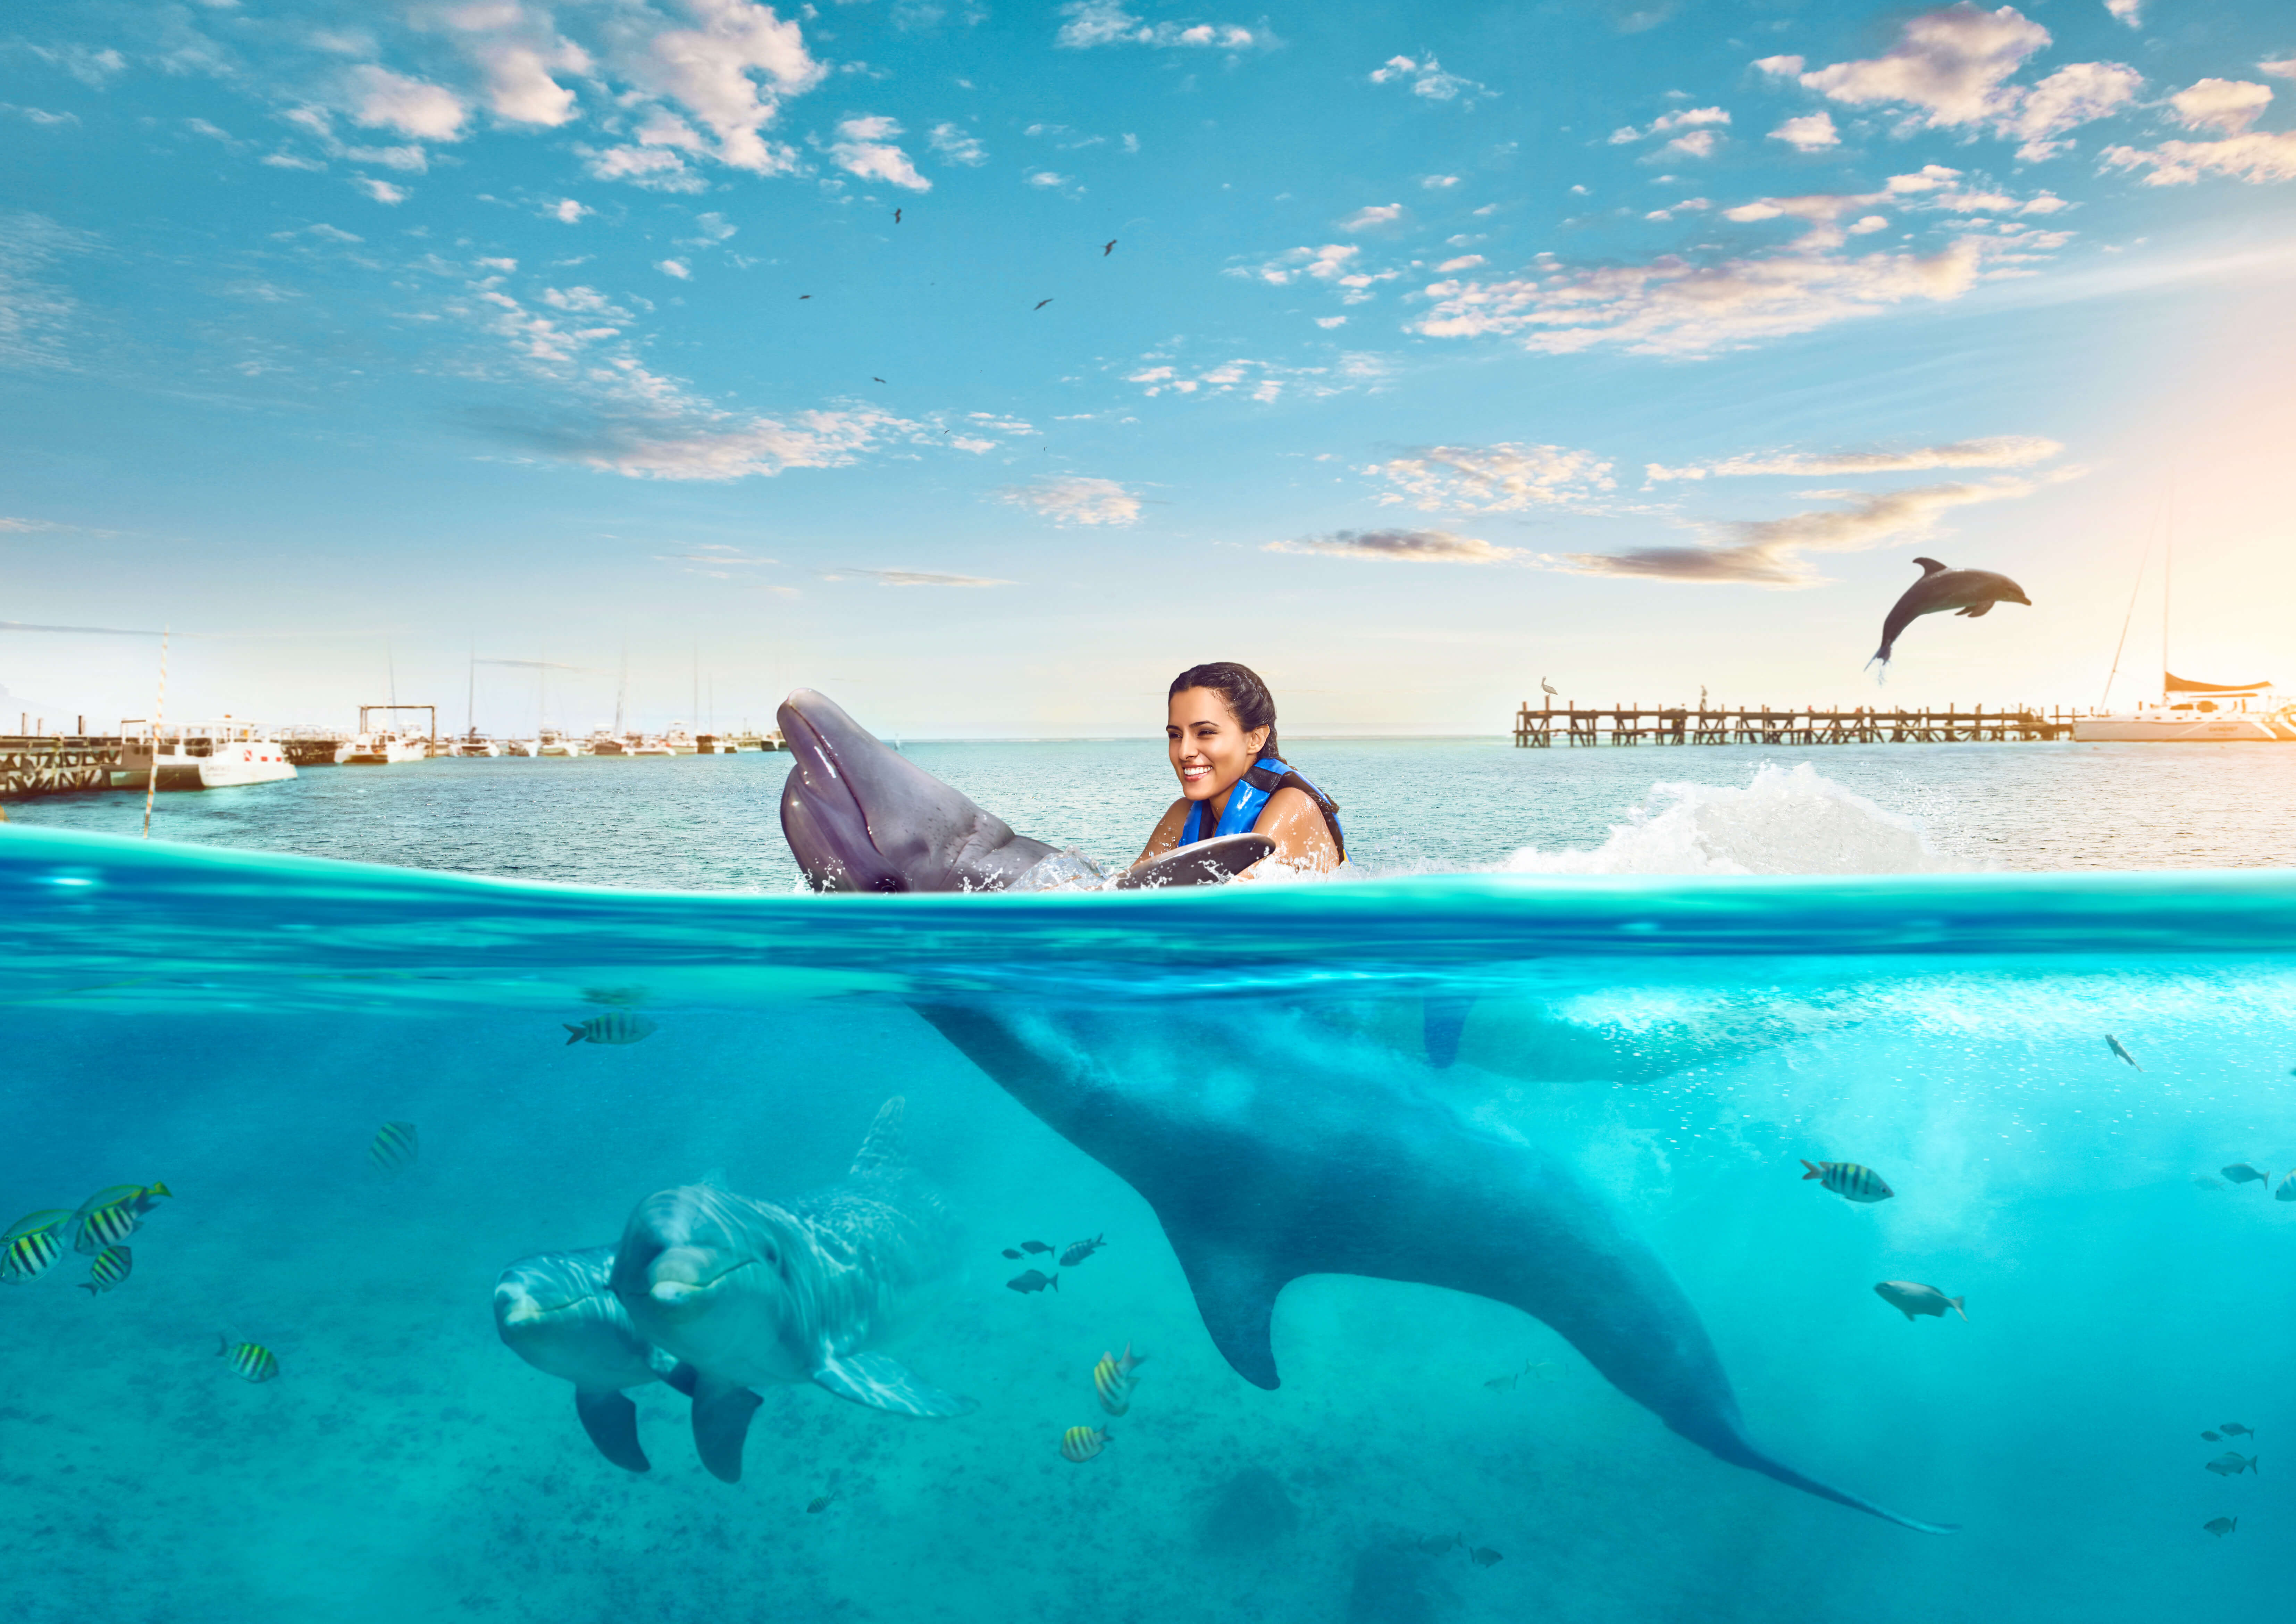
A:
{"x": 677, "y": 1277}
{"x": 822, "y": 816}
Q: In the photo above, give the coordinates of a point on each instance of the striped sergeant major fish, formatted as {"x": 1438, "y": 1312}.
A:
{"x": 1849, "y": 1180}
{"x": 111, "y": 1215}
{"x": 249, "y": 1361}
{"x": 616, "y": 1026}
{"x": 394, "y": 1147}
{"x": 30, "y": 1255}
{"x": 1113, "y": 1380}
{"x": 110, "y": 1268}
{"x": 1080, "y": 1444}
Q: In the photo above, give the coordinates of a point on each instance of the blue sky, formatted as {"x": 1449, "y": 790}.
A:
{"x": 1440, "y": 350}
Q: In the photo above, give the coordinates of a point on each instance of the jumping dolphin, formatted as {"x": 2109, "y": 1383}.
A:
{"x": 750, "y": 1293}
{"x": 553, "y": 1311}
{"x": 1968, "y": 592}
{"x": 1261, "y": 1175}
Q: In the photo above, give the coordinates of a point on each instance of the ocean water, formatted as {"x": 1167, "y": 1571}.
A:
{"x": 1906, "y": 959}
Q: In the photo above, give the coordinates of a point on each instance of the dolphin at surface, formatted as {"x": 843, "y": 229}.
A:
{"x": 749, "y": 1293}
{"x": 1261, "y": 1175}
{"x": 1966, "y": 591}
{"x": 554, "y": 1311}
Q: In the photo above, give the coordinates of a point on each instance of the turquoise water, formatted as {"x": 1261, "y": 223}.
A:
{"x": 238, "y": 1025}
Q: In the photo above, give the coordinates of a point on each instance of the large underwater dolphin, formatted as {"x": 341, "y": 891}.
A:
{"x": 1262, "y": 1174}
{"x": 554, "y": 1311}
{"x": 750, "y": 1293}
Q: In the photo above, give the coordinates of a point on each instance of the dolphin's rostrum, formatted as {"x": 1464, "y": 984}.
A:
{"x": 1262, "y": 1174}
{"x": 553, "y": 1311}
{"x": 1965, "y": 592}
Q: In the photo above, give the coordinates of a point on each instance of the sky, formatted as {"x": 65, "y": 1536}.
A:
{"x": 985, "y": 364}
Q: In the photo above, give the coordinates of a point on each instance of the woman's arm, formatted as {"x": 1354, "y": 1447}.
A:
{"x": 1303, "y": 840}
{"x": 1166, "y": 835}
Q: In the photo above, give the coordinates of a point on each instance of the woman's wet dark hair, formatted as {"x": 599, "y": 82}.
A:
{"x": 1246, "y": 695}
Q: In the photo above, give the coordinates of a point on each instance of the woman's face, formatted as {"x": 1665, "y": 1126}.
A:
{"x": 1209, "y": 748}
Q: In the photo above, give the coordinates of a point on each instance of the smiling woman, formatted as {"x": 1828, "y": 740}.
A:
{"x": 1221, "y": 732}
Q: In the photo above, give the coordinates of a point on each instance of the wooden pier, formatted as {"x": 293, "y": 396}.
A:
{"x": 1542, "y": 729}
{"x": 55, "y": 764}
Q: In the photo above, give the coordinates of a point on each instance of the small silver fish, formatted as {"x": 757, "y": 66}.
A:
{"x": 1013, "y": 1253}
{"x": 1035, "y": 1248}
{"x": 618, "y": 1026}
{"x": 2231, "y": 1464}
{"x": 2233, "y": 1428}
{"x": 2242, "y": 1173}
{"x": 1080, "y": 1444}
{"x": 2287, "y": 1190}
{"x": 2214, "y": 1438}
{"x": 818, "y": 1504}
{"x": 1079, "y": 1251}
{"x": 1910, "y": 1297}
{"x": 2112, "y": 1043}
{"x": 2220, "y": 1526}
{"x": 1483, "y": 1556}
{"x": 1032, "y": 1280}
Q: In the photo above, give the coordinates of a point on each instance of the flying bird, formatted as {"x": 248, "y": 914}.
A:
{"x": 1108, "y": 249}
{"x": 875, "y": 379}
{"x": 1965, "y": 592}
{"x": 897, "y": 216}
{"x": 805, "y": 296}
{"x": 1042, "y": 303}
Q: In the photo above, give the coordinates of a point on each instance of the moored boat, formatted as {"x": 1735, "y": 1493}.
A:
{"x": 204, "y": 756}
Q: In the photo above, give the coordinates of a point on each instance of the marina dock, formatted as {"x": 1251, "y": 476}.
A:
{"x": 1634, "y": 724}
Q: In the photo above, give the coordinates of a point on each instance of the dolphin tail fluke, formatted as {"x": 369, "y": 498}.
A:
{"x": 612, "y": 1420}
{"x": 1956, "y": 1302}
{"x": 1442, "y": 1023}
{"x": 721, "y": 1425}
{"x": 1735, "y": 1449}
{"x": 886, "y": 1144}
{"x": 884, "y": 1383}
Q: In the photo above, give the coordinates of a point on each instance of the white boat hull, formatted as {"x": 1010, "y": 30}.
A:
{"x": 2224, "y": 727}
{"x": 231, "y": 765}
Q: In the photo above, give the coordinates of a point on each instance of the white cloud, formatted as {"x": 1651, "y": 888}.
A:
{"x": 738, "y": 449}
{"x": 955, "y": 146}
{"x": 656, "y": 169}
{"x": 1426, "y": 78}
{"x": 1673, "y": 306}
{"x": 2226, "y": 106}
{"x": 1698, "y": 143}
{"x": 2131, "y": 11}
{"x": 1780, "y": 67}
{"x": 1047, "y": 179}
{"x": 380, "y": 191}
{"x": 290, "y": 161}
{"x": 1999, "y": 451}
{"x": 731, "y": 70}
{"x": 35, "y": 312}
{"x": 2254, "y": 158}
{"x": 864, "y": 147}
{"x": 411, "y": 158}
{"x": 1769, "y": 552}
{"x": 1506, "y": 478}
{"x": 1689, "y": 205}
{"x": 568, "y": 210}
{"x": 1438, "y": 182}
{"x": 922, "y": 577}
{"x": 1954, "y": 66}
{"x": 1075, "y": 499}
{"x": 1399, "y": 546}
{"x": 1810, "y": 133}
{"x": 1371, "y": 215}
{"x": 1464, "y": 262}
{"x": 1106, "y": 22}
{"x": 89, "y": 66}
{"x": 1687, "y": 119}
{"x": 2284, "y": 68}
{"x": 1261, "y": 380}
{"x": 678, "y": 268}
{"x": 382, "y": 99}
{"x": 1328, "y": 322}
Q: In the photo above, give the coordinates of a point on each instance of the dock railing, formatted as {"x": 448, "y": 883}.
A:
{"x": 1634, "y": 724}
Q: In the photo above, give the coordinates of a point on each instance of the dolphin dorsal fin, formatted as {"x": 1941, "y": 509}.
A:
{"x": 1930, "y": 566}
{"x": 885, "y": 1145}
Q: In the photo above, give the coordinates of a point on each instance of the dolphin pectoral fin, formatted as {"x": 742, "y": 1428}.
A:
{"x": 885, "y": 1384}
{"x": 721, "y": 1424}
{"x": 1976, "y": 609}
{"x": 1235, "y": 1295}
{"x": 612, "y": 1420}
{"x": 1442, "y": 1022}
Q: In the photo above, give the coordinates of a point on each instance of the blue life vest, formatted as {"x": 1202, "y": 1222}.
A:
{"x": 1250, "y": 796}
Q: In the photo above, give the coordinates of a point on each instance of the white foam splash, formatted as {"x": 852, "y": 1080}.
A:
{"x": 1788, "y": 821}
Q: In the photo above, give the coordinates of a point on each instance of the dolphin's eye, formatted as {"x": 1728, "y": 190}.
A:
{"x": 770, "y": 1259}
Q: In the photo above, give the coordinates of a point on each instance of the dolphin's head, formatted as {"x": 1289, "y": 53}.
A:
{"x": 711, "y": 1277}
{"x": 861, "y": 817}
{"x": 553, "y": 1311}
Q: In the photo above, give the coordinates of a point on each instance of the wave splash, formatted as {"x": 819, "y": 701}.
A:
{"x": 1788, "y": 821}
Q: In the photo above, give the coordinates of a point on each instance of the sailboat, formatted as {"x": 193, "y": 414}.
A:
{"x": 2188, "y": 712}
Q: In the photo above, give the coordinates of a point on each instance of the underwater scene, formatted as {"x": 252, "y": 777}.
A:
{"x": 1462, "y": 1246}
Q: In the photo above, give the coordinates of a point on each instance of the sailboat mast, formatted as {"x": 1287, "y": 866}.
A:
{"x": 471, "y": 698}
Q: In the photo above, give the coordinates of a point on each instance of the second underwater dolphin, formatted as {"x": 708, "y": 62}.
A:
{"x": 1261, "y": 1175}
{"x": 750, "y": 1293}
{"x": 554, "y": 1311}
